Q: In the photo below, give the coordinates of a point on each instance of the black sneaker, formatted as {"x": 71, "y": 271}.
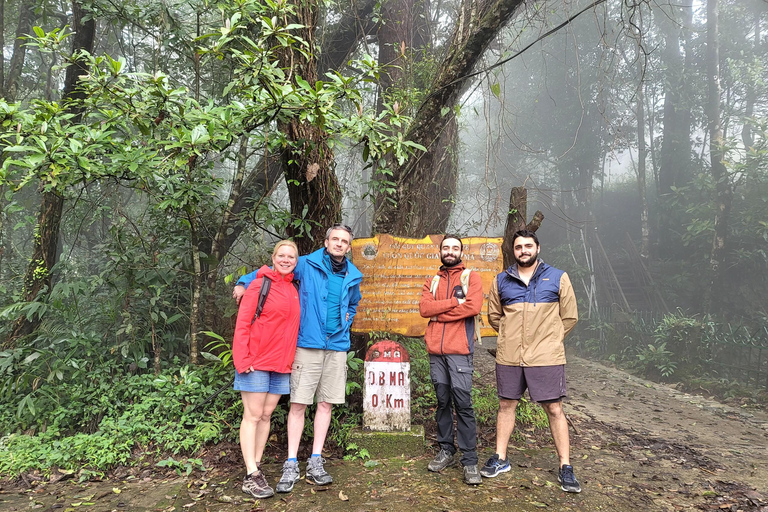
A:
{"x": 256, "y": 485}
{"x": 495, "y": 466}
{"x": 567, "y": 479}
{"x": 442, "y": 460}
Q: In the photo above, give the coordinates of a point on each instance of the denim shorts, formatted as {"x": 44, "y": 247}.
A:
{"x": 259, "y": 381}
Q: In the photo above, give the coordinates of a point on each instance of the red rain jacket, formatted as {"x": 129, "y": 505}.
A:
{"x": 269, "y": 342}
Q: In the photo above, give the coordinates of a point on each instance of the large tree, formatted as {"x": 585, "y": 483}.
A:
{"x": 723, "y": 191}
{"x": 46, "y": 243}
{"x": 410, "y": 209}
{"x": 675, "y": 154}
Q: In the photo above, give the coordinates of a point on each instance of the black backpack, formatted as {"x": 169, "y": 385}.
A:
{"x": 266, "y": 284}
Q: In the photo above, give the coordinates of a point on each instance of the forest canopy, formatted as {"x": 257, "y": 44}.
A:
{"x": 152, "y": 151}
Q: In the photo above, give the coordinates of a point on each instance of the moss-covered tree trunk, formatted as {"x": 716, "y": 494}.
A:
{"x": 403, "y": 38}
{"x": 45, "y": 252}
{"x": 313, "y": 188}
{"x": 410, "y": 210}
{"x": 723, "y": 191}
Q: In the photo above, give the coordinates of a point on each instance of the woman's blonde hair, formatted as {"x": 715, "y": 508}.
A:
{"x": 282, "y": 243}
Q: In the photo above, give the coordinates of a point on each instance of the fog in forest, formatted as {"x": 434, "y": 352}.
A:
{"x": 154, "y": 151}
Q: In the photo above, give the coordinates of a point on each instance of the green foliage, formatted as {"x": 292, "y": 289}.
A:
{"x": 144, "y": 160}
{"x": 355, "y": 365}
{"x": 126, "y": 414}
{"x": 684, "y": 347}
{"x": 485, "y": 401}
{"x": 354, "y": 452}
{"x": 219, "y": 350}
{"x": 656, "y": 360}
{"x": 530, "y": 415}
{"x": 185, "y": 466}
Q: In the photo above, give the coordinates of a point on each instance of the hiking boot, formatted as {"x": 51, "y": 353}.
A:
{"x": 290, "y": 476}
{"x": 471, "y": 475}
{"x": 442, "y": 460}
{"x": 256, "y": 485}
{"x": 316, "y": 474}
{"x": 495, "y": 466}
{"x": 567, "y": 479}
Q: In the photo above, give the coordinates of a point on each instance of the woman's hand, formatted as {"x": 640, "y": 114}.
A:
{"x": 238, "y": 293}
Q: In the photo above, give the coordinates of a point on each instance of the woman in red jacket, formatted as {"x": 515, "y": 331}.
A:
{"x": 263, "y": 351}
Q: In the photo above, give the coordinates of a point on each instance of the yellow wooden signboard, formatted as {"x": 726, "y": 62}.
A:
{"x": 395, "y": 270}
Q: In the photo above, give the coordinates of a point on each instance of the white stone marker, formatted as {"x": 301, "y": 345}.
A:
{"x": 387, "y": 396}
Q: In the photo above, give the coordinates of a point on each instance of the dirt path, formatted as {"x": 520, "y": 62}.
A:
{"x": 735, "y": 441}
{"x": 639, "y": 446}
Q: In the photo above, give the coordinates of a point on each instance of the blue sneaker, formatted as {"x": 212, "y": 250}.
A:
{"x": 567, "y": 479}
{"x": 495, "y": 466}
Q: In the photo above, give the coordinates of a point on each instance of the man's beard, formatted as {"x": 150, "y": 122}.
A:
{"x": 531, "y": 262}
{"x": 447, "y": 264}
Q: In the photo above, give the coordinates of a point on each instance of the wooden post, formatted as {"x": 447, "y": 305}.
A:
{"x": 518, "y": 212}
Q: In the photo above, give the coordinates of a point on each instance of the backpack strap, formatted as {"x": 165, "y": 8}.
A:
{"x": 266, "y": 283}
{"x": 433, "y": 286}
{"x": 478, "y": 318}
{"x": 465, "y": 280}
{"x": 433, "y": 290}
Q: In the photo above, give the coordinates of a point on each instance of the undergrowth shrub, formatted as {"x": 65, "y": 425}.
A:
{"x": 682, "y": 347}
{"x": 97, "y": 419}
{"x": 167, "y": 413}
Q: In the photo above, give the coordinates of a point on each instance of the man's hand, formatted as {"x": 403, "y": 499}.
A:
{"x": 238, "y": 293}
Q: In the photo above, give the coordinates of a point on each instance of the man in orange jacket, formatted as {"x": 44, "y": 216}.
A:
{"x": 450, "y": 338}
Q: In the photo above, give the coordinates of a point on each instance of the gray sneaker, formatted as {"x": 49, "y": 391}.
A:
{"x": 472, "y": 475}
{"x": 256, "y": 485}
{"x": 442, "y": 460}
{"x": 290, "y": 476}
{"x": 316, "y": 474}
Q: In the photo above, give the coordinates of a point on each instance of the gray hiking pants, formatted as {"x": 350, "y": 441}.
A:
{"x": 452, "y": 377}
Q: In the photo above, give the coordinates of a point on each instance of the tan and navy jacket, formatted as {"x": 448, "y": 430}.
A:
{"x": 532, "y": 320}
{"x": 451, "y": 329}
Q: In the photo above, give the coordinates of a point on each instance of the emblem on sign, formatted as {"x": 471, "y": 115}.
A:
{"x": 369, "y": 251}
{"x": 489, "y": 252}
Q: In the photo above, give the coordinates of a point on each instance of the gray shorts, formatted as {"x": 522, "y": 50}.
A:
{"x": 544, "y": 383}
{"x": 318, "y": 373}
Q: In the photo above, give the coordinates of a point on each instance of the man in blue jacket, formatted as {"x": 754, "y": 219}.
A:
{"x": 329, "y": 294}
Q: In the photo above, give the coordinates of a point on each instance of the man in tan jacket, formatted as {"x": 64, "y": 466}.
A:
{"x": 533, "y": 308}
